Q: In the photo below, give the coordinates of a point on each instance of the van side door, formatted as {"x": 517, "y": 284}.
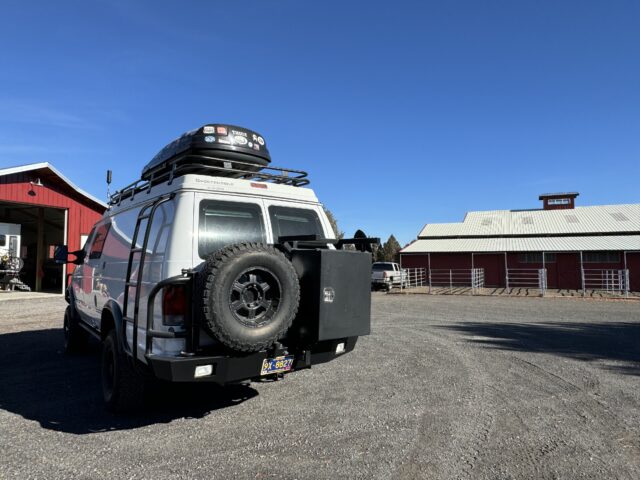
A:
{"x": 80, "y": 280}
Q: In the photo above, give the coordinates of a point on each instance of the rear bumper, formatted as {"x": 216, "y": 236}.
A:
{"x": 230, "y": 369}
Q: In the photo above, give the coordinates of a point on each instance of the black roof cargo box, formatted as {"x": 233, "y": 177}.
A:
{"x": 215, "y": 145}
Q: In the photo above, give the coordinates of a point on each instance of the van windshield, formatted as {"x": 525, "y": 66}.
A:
{"x": 223, "y": 223}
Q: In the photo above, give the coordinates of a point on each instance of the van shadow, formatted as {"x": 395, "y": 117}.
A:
{"x": 63, "y": 393}
{"x": 608, "y": 341}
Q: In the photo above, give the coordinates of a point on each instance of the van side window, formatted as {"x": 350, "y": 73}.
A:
{"x": 287, "y": 222}
{"x": 87, "y": 241}
{"x": 98, "y": 241}
{"x": 3, "y": 240}
{"x": 223, "y": 223}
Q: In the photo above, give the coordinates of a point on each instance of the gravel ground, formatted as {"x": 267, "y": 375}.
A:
{"x": 445, "y": 387}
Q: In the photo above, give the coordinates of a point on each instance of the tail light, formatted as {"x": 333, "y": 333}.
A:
{"x": 174, "y": 305}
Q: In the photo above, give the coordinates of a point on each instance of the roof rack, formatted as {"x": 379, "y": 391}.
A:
{"x": 237, "y": 169}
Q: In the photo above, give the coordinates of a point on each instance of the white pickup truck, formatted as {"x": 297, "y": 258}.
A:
{"x": 387, "y": 275}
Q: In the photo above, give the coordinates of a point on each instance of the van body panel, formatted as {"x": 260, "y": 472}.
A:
{"x": 173, "y": 246}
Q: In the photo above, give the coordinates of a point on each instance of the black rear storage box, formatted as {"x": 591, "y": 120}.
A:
{"x": 335, "y": 294}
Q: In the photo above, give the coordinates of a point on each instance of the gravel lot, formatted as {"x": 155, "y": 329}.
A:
{"x": 445, "y": 387}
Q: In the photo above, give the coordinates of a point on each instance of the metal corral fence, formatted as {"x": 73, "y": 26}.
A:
{"x": 415, "y": 277}
{"x": 444, "y": 279}
{"x": 526, "y": 278}
{"x": 471, "y": 280}
{"x": 614, "y": 282}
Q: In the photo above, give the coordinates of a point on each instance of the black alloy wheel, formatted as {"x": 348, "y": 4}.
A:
{"x": 255, "y": 297}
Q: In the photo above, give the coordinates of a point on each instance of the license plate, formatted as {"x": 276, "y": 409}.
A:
{"x": 276, "y": 365}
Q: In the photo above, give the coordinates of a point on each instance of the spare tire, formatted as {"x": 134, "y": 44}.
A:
{"x": 250, "y": 295}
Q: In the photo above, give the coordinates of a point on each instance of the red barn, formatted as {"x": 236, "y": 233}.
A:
{"x": 51, "y": 211}
{"x": 595, "y": 247}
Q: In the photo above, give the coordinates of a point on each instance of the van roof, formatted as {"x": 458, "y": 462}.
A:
{"x": 224, "y": 185}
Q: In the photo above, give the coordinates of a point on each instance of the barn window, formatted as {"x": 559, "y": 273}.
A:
{"x": 559, "y": 201}
{"x": 536, "y": 257}
{"x": 601, "y": 257}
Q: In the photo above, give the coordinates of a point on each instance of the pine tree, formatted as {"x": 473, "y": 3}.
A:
{"x": 388, "y": 251}
{"x": 391, "y": 249}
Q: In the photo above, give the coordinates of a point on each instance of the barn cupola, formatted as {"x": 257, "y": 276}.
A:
{"x": 558, "y": 201}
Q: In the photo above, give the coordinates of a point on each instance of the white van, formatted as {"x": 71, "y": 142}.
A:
{"x": 209, "y": 268}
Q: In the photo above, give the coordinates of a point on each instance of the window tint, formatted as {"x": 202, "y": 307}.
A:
{"x": 288, "y": 222}
{"x": 88, "y": 240}
{"x": 377, "y": 267}
{"x": 224, "y": 223}
{"x": 98, "y": 241}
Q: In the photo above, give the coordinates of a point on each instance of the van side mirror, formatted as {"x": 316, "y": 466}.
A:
{"x": 61, "y": 255}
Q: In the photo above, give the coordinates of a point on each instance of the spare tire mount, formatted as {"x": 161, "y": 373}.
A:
{"x": 249, "y": 296}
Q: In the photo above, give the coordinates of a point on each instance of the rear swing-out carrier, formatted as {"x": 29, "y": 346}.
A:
{"x": 335, "y": 297}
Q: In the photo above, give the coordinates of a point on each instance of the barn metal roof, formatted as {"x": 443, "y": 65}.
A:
{"x": 580, "y": 220}
{"x": 47, "y": 165}
{"x": 528, "y": 244}
{"x": 559, "y": 194}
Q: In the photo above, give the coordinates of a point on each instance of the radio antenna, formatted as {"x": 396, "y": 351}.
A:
{"x": 108, "y": 184}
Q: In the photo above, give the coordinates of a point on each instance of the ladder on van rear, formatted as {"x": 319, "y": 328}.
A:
{"x": 145, "y": 216}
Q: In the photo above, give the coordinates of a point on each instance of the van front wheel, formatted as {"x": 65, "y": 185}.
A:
{"x": 122, "y": 387}
{"x": 75, "y": 337}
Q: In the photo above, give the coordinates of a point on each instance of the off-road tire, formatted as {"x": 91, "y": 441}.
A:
{"x": 122, "y": 387}
{"x": 75, "y": 337}
{"x": 236, "y": 278}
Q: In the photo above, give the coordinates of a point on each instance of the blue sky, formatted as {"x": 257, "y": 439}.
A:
{"x": 402, "y": 112}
